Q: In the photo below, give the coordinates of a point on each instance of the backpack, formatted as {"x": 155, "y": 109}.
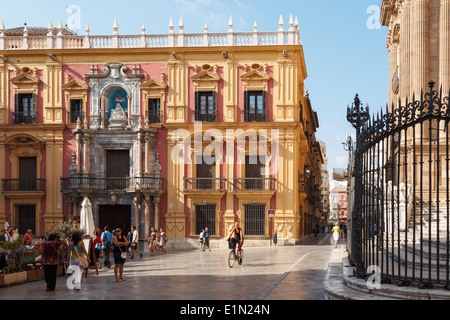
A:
{"x": 108, "y": 237}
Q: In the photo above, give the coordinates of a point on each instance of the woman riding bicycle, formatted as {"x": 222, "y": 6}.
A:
{"x": 238, "y": 237}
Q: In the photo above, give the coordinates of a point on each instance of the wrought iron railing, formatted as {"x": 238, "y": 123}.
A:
{"x": 24, "y": 117}
{"x": 255, "y": 115}
{"x": 261, "y": 184}
{"x": 24, "y": 185}
{"x": 154, "y": 116}
{"x": 202, "y": 184}
{"x": 101, "y": 184}
{"x": 401, "y": 210}
{"x": 205, "y": 116}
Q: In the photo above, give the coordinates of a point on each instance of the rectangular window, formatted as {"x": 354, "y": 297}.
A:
{"x": 154, "y": 111}
{"x": 254, "y": 179}
{"x": 117, "y": 169}
{"x": 76, "y": 110}
{"x": 206, "y": 172}
{"x": 26, "y": 215}
{"x": 255, "y": 106}
{"x": 255, "y": 220}
{"x": 28, "y": 174}
{"x": 25, "y": 108}
{"x": 205, "y": 218}
{"x": 205, "y": 106}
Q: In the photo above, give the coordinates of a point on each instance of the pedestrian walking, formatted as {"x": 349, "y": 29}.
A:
{"x": 152, "y": 241}
{"x": 107, "y": 244}
{"x": 51, "y": 251}
{"x": 120, "y": 254}
{"x": 336, "y": 235}
{"x": 162, "y": 241}
{"x": 201, "y": 239}
{"x": 98, "y": 244}
{"x": 77, "y": 251}
{"x": 206, "y": 239}
{"x": 130, "y": 240}
{"x": 135, "y": 242}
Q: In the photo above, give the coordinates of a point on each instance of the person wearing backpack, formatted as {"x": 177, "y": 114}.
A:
{"x": 106, "y": 246}
{"x": 206, "y": 239}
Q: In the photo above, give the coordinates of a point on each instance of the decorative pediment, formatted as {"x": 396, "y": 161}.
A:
{"x": 206, "y": 81}
{"x": 153, "y": 84}
{"x": 74, "y": 85}
{"x": 24, "y": 78}
{"x": 255, "y": 80}
{"x": 255, "y": 75}
{"x": 205, "y": 75}
{"x": 23, "y": 140}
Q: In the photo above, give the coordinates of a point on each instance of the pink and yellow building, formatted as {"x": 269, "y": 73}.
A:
{"x": 181, "y": 131}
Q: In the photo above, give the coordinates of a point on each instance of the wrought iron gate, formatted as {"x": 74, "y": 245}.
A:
{"x": 400, "y": 217}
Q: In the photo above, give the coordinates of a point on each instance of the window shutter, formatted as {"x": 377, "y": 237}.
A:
{"x": 16, "y": 107}
{"x": 246, "y": 105}
{"x": 264, "y": 106}
{"x": 33, "y": 109}
{"x": 215, "y": 105}
{"x": 197, "y": 105}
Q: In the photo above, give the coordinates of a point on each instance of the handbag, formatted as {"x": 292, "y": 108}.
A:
{"x": 83, "y": 262}
{"x": 123, "y": 255}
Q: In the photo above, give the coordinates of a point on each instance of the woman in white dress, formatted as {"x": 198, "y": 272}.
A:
{"x": 162, "y": 241}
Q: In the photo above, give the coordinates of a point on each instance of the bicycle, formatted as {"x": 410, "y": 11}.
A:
{"x": 234, "y": 255}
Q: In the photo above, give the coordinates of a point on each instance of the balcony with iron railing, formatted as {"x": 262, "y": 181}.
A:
{"x": 24, "y": 117}
{"x": 149, "y": 184}
{"x": 205, "y": 116}
{"x": 256, "y": 184}
{"x": 259, "y": 115}
{"x": 154, "y": 116}
{"x": 24, "y": 185}
{"x": 205, "y": 184}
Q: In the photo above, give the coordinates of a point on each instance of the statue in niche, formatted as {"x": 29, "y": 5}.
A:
{"x": 118, "y": 113}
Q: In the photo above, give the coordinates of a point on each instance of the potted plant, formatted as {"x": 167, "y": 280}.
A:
{"x": 13, "y": 272}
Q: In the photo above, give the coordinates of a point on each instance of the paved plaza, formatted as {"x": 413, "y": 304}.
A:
{"x": 268, "y": 273}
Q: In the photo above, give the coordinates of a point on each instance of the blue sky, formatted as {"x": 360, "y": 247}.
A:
{"x": 344, "y": 55}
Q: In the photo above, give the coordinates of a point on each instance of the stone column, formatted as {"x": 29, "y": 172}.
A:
{"x": 137, "y": 203}
{"x": 86, "y": 155}
{"x": 140, "y": 148}
{"x": 147, "y": 153}
{"x": 420, "y": 47}
{"x": 102, "y": 120}
{"x": 79, "y": 156}
{"x": 405, "y": 50}
{"x": 129, "y": 111}
{"x": 157, "y": 200}
{"x": 444, "y": 47}
{"x": 147, "y": 216}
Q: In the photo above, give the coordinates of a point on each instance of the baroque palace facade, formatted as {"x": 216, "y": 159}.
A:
{"x": 181, "y": 131}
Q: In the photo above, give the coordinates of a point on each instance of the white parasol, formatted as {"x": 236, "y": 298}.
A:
{"x": 87, "y": 219}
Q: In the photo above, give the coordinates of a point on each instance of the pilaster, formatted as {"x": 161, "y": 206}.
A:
{"x": 444, "y": 46}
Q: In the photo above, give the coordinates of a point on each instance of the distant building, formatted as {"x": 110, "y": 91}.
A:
{"x": 325, "y": 184}
{"x": 339, "y": 205}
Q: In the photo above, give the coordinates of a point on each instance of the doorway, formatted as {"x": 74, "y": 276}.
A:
{"x": 117, "y": 216}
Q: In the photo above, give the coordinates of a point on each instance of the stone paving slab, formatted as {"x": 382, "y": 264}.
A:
{"x": 268, "y": 273}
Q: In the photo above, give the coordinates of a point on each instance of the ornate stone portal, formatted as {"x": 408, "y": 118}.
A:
{"x": 115, "y": 125}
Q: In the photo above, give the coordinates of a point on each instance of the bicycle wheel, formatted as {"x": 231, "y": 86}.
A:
{"x": 241, "y": 257}
{"x": 231, "y": 259}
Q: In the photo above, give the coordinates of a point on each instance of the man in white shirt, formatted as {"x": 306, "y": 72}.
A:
{"x": 134, "y": 242}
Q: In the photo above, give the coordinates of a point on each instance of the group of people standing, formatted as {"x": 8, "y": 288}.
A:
{"x": 108, "y": 242}
{"x": 157, "y": 241}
